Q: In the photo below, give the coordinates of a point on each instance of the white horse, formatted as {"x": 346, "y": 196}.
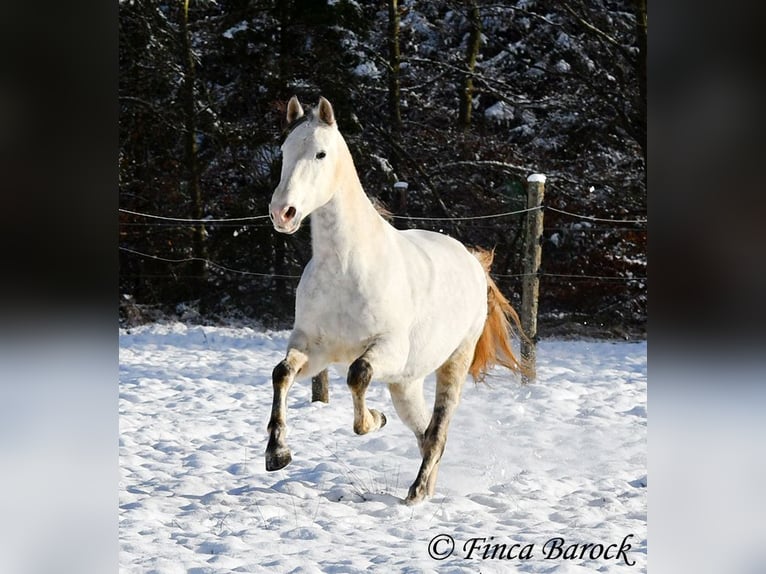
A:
{"x": 391, "y": 305}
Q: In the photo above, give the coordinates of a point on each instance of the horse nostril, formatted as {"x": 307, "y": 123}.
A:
{"x": 290, "y": 213}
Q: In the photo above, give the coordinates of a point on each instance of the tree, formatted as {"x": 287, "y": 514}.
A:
{"x": 472, "y": 52}
{"x": 395, "y": 115}
{"x": 462, "y": 99}
{"x": 188, "y": 98}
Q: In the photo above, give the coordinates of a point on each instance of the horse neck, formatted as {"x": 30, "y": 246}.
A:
{"x": 348, "y": 224}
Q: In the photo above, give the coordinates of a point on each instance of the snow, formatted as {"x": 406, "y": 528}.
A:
{"x": 537, "y": 178}
{"x": 383, "y": 163}
{"x": 562, "y": 66}
{"x": 565, "y": 41}
{"x": 367, "y": 70}
{"x": 499, "y": 112}
{"x": 564, "y": 457}
{"x": 241, "y": 27}
{"x": 413, "y": 20}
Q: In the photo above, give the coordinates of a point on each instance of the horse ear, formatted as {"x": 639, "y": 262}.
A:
{"x": 325, "y": 111}
{"x": 294, "y": 110}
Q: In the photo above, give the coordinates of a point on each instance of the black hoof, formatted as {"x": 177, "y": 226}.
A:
{"x": 277, "y": 460}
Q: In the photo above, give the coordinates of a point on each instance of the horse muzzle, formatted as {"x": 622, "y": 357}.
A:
{"x": 286, "y": 218}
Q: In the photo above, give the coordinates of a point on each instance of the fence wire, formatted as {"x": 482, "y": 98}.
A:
{"x": 181, "y": 222}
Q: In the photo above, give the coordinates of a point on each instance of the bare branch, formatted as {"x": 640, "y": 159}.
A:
{"x": 487, "y": 163}
{"x": 482, "y": 78}
{"x": 598, "y": 32}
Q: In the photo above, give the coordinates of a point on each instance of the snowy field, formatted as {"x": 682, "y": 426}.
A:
{"x": 530, "y": 475}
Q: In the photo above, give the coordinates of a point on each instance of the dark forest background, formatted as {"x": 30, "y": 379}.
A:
{"x": 460, "y": 99}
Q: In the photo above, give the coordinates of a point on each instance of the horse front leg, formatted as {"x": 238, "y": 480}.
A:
{"x": 358, "y": 380}
{"x": 277, "y": 452}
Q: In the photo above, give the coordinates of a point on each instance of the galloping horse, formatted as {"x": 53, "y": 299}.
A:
{"x": 391, "y": 305}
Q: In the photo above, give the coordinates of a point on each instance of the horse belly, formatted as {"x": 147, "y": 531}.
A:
{"x": 451, "y": 304}
{"x": 433, "y": 340}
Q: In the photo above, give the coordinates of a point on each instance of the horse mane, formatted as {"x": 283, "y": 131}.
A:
{"x": 495, "y": 343}
{"x": 381, "y": 208}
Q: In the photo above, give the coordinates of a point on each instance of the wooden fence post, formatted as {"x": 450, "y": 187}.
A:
{"x": 320, "y": 391}
{"x": 400, "y": 196}
{"x": 530, "y": 286}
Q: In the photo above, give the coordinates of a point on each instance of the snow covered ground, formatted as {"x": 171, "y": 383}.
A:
{"x": 524, "y": 468}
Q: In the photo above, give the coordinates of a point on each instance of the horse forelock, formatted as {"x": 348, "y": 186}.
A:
{"x": 310, "y": 117}
{"x": 292, "y": 125}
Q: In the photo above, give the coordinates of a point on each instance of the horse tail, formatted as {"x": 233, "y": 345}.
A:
{"x": 502, "y": 324}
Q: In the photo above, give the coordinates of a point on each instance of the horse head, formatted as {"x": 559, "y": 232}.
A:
{"x": 310, "y": 153}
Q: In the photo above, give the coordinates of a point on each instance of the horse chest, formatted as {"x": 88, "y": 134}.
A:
{"x": 341, "y": 306}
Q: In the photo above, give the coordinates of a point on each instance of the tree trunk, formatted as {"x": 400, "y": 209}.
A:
{"x": 282, "y": 9}
{"x": 641, "y": 22}
{"x": 472, "y": 52}
{"x": 194, "y": 190}
{"x": 394, "y": 58}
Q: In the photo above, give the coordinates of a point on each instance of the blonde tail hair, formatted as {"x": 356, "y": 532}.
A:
{"x": 495, "y": 343}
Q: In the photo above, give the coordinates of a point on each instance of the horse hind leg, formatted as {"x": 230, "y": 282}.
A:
{"x": 449, "y": 383}
{"x": 359, "y": 377}
{"x": 410, "y": 405}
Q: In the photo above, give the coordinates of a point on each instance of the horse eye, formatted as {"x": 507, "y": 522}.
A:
{"x": 320, "y": 155}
